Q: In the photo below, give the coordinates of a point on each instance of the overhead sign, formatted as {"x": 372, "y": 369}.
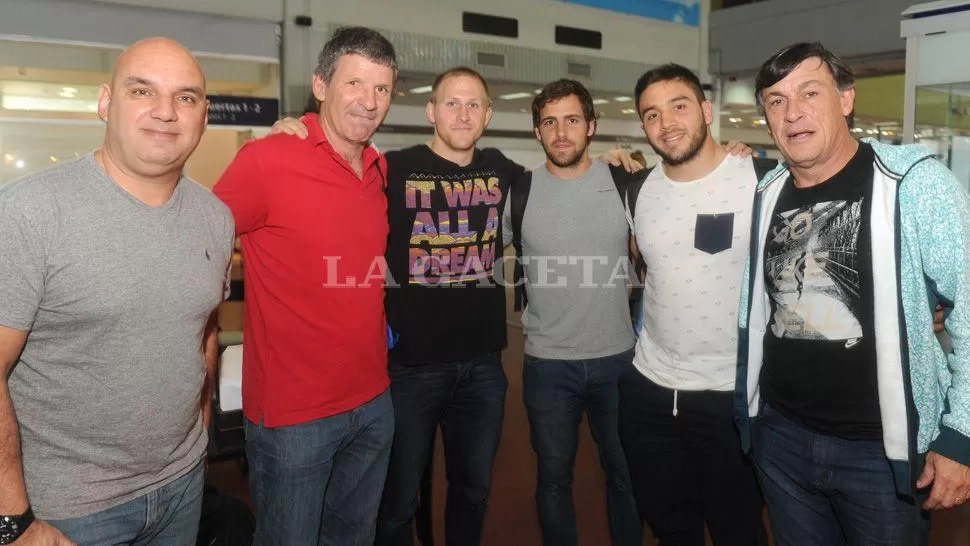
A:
{"x": 686, "y": 12}
{"x": 225, "y": 110}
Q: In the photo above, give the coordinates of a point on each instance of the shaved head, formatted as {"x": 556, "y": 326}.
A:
{"x": 155, "y": 109}
{"x": 151, "y": 48}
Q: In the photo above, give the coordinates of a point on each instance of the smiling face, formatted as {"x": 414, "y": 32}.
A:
{"x": 155, "y": 109}
{"x": 564, "y": 131}
{"x": 806, "y": 114}
{"x": 459, "y": 111}
{"x": 674, "y": 120}
{"x": 355, "y": 101}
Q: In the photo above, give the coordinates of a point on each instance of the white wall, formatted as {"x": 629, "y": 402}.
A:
{"x": 625, "y": 37}
{"x": 270, "y": 10}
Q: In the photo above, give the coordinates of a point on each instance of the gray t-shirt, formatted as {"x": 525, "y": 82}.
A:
{"x": 115, "y": 295}
{"x": 574, "y": 245}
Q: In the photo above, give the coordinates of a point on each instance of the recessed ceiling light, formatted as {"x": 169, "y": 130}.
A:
{"x": 761, "y": 122}
{"x": 629, "y": 111}
{"x": 623, "y": 99}
{"x": 600, "y": 101}
{"x": 735, "y": 120}
{"x": 537, "y": 91}
{"x": 420, "y": 90}
{"x": 19, "y": 163}
{"x": 68, "y": 92}
{"x": 513, "y": 96}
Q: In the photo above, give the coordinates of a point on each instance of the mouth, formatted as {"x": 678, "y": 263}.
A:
{"x": 562, "y": 145}
{"x": 162, "y": 135}
{"x": 672, "y": 138}
{"x": 799, "y": 136}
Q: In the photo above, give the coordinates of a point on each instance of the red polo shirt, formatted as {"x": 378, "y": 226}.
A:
{"x": 313, "y": 238}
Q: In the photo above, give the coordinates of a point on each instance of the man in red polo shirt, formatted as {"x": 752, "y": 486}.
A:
{"x": 312, "y": 218}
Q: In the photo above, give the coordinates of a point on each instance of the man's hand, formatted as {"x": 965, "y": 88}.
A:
{"x": 289, "y": 126}
{"x": 40, "y": 533}
{"x": 950, "y": 479}
{"x": 938, "y": 319}
{"x": 733, "y": 147}
{"x": 617, "y": 158}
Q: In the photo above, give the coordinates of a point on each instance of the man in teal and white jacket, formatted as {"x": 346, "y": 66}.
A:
{"x": 857, "y": 421}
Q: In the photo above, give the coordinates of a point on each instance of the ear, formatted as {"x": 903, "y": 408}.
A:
{"x": 592, "y": 128}
{"x": 538, "y": 135}
{"x": 847, "y": 99}
{"x": 205, "y": 120}
{"x": 429, "y": 111}
{"x": 104, "y": 101}
{"x": 488, "y": 115}
{"x": 708, "y": 110}
{"x": 319, "y": 88}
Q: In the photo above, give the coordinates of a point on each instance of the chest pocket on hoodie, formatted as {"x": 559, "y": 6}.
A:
{"x": 713, "y": 232}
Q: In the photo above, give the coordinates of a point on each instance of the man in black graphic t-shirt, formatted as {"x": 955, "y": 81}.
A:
{"x": 819, "y": 360}
{"x": 857, "y": 421}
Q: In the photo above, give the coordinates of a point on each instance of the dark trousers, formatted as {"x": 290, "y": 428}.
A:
{"x": 688, "y": 469}
{"x": 824, "y": 490}
{"x": 467, "y": 400}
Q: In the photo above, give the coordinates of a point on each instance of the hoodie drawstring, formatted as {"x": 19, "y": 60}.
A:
{"x": 675, "y": 402}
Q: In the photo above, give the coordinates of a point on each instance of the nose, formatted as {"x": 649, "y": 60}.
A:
{"x": 561, "y": 130}
{"x": 794, "y": 111}
{"x": 464, "y": 112}
{"x": 368, "y": 99}
{"x": 164, "y": 109}
{"x": 666, "y": 122}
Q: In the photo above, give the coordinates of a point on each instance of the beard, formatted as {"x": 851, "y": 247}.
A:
{"x": 567, "y": 161}
{"x": 694, "y": 146}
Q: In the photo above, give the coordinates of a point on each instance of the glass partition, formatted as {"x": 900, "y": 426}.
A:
{"x": 943, "y": 125}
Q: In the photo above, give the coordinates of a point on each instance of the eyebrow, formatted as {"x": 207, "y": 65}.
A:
{"x": 649, "y": 107}
{"x": 800, "y": 87}
{"x": 138, "y": 80}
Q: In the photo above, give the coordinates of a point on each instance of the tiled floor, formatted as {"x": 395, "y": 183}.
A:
{"x": 511, "y": 519}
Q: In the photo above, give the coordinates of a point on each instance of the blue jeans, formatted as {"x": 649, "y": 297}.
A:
{"x": 320, "y": 482}
{"x": 467, "y": 399}
{"x": 557, "y": 393}
{"x": 824, "y": 490}
{"x": 167, "y": 516}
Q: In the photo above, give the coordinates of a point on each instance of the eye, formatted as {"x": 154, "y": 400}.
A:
{"x": 679, "y": 107}
{"x": 141, "y": 92}
{"x": 651, "y": 116}
{"x": 547, "y": 123}
{"x": 811, "y": 94}
{"x": 451, "y": 104}
{"x": 383, "y": 89}
{"x": 774, "y": 102}
{"x": 474, "y": 106}
{"x": 187, "y": 99}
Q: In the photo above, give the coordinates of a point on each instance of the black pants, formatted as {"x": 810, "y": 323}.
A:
{"x": 688, "y": 469}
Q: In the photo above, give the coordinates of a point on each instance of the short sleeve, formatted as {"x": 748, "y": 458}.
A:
{"x": 241, "y": 188}
{"x": 23, "y": 256}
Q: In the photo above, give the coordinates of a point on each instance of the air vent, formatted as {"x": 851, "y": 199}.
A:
{"x": 579, "y": 69}
{"x": 491, "y": 59}
{"x": 579, "y": 37}
{"x": 493, "y": 25}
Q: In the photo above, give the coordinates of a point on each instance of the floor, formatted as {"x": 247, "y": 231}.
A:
{"x": 511, "y": 519}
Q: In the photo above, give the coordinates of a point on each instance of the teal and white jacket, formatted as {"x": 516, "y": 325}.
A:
{"x": 920, "y": 229}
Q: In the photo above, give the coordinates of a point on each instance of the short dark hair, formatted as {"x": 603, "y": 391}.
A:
{"x": 362, "y": 41}
{"x": 785, "y": 61}
{"x": 666, "y": 73}
{"x": 458, "y": 71}
{"x": 559, "y": 90}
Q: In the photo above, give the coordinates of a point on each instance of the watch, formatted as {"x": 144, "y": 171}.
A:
{"x": 11, "y": 527}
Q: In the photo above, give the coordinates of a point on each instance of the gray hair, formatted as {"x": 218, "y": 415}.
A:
{"x": 362, "y": 41}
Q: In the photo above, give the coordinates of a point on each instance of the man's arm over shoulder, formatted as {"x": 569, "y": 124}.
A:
{"x": 942, "y": 207}
{"x": 242, "y": 188}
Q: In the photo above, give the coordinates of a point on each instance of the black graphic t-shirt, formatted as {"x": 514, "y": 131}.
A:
{"x": 445, "y": 240}
{"x": 819, "y": 350}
